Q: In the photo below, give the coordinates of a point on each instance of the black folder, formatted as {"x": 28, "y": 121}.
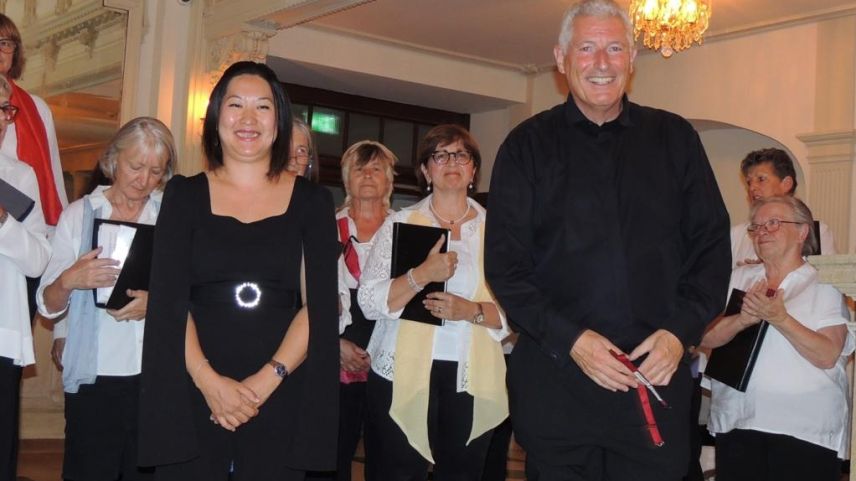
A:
{"x": 17, "y": 203}
{"x": 137, "y": 267}
{"x": 410, "y": 246}
{"x": 732, "y": 363}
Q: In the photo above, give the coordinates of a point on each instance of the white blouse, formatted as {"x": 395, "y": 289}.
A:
{"x": 120, "y": 343}
{"x": 24, "y": 251}
{"x": 346, "y": 279}
{"x": 787, "y": 394}
{"x": 452, "y": 339}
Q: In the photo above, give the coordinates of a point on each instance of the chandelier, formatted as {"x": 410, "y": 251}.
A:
{"x": 669, "y": 25}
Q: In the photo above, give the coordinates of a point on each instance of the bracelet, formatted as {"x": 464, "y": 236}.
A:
{"x": 412, "y": 282}
{"x": 198, "y": 366}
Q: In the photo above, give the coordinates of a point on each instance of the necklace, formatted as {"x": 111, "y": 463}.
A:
{"x": 450, "y": 222}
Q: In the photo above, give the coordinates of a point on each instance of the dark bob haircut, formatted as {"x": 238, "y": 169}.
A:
{"x": 446, "y": 134}
{"x": 281, "y": 144}
{"x": 781, "y": 162}
{"x": 9, "y": 30}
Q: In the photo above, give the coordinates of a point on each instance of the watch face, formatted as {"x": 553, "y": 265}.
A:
{"x": 280, "y": 370}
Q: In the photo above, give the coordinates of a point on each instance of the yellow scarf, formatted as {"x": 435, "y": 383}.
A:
{"x": 412, "y": 375}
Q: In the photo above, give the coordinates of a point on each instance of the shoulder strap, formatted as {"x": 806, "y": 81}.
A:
{"x": 344, "y": 230}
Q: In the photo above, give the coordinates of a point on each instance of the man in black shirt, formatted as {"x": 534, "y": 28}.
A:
{"x": 605, "y": 231}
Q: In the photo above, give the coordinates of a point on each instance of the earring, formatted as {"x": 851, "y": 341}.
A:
{"x": 429, "y": 186}
{"x": 471, "y": 185}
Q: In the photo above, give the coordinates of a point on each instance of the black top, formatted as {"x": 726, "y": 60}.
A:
{"x": 196, "y": 250}
{"x": 618, "y": 228}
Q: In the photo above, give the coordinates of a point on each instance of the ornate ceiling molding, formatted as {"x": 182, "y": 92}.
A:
{"x": 246, "y": 45}
{"x": 78, "y": 23}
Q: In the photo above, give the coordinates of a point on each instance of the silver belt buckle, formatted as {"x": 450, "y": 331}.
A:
{"x": 253, "y": 288}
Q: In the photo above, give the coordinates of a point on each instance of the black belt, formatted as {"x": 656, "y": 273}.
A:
{"x": 245, "y": 295}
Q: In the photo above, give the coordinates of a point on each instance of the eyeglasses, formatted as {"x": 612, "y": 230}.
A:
{"x": 9, "y": 111}
{"x": 301, "y": 155}
{"x": 8, "y": 45}
{"x": 461, "y": 157}
{"x": 770, "y": 226}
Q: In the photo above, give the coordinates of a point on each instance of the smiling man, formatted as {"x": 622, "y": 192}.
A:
{"x": 606, "y": 236}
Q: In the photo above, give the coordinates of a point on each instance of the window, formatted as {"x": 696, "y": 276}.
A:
{"x": 338, "y": 120}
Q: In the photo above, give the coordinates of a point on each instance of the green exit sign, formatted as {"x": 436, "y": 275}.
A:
{"x": 325, "y": 123}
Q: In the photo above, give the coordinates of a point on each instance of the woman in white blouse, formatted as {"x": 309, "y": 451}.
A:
{"x": 435, "y": 392}
{"x": 24, "y": 251}
{"x": 367, "y": 174}
{"x": 103, "y": 351}
{"x": 792, "y": 421}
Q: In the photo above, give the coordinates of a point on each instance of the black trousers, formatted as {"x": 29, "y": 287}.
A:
{"x": 747, "y": 455}
{"x": 10, "y": 411}
{"x": 574, "y": 430}
{"x": 496, "y": 462}
{"x": 389, "y": 457}
{"x": 101, "y": 431}
{"x": 352, "y": 416}
{"x": 694, "y": 471}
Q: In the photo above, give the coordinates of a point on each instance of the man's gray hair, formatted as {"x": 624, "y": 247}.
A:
{"x": 593, "y": 8}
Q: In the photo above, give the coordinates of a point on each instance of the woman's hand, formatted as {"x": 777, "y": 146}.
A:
{"x": 134, "y": 310}
{"x": 263, "y": 383}
{"x": 90, "y": 272}
{"x": 757, "y": 304}
{"x": 438, "y": 266}
{"x": 231, "y": 403}
{"x": 449, "y": 306}
{"x": 352, "y": 357}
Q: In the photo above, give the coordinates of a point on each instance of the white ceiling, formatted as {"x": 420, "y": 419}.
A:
{"x": 523, "y": 32}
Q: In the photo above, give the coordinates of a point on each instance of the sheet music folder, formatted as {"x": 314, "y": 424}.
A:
{"x": 732, "y": 363}
{"x": 410, "y": 246}
{"x": 17, "y": 203}
{"x": 131, "y": 244}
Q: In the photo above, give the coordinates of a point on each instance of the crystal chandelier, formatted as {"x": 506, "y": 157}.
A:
{"x": 669, "y": 25}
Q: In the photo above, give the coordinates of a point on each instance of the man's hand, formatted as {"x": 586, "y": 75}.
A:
{"x": 591, "y": 353}
{"x": 664, "y": 353}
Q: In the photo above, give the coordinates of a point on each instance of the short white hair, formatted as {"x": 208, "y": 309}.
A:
{"x": 593, "y": 8}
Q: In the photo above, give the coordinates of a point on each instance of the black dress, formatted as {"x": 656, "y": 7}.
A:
{"x": 200, "y": 261}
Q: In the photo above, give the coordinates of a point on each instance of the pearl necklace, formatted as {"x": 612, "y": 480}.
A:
{"x": 450, "y": 222}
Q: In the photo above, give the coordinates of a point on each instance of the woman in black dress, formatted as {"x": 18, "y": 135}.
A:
{"x": 240, "y": 360}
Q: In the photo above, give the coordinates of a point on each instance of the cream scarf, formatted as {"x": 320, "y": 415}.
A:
{"x": 412, "y": 375}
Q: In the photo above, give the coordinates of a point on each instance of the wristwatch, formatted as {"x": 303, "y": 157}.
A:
{"x": 279, "y": 368}
{"x": 479, "y": 317}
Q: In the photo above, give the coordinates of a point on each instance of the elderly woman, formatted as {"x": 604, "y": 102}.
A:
{"x": 302, "y": 158}
{"x": 24, "y": 251}
{"x": 103, "y": 350}
{"x": 435, "y": 393}
{"x": 239, "y": 370}
{"x": 791, "y": 423}
{"x": 367, "y": 173}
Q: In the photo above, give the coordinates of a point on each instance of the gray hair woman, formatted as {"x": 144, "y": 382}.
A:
{"x": 24, "y": 251}
{"x": 791, "y": 423}
{"x": 302, "y": 157}
{"x": 103, "y": 352}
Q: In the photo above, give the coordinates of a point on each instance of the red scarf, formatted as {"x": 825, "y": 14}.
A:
{"x": 33, "y": 149}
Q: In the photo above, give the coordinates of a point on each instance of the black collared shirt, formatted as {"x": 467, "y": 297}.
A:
{"x": 618, "y": 228}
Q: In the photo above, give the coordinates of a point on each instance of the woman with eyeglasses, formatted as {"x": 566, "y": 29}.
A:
{"x": 32, "y": 138}
{"x": 792, "y": 421}
{"x": 435, "y": 393}
{"x": 24, "y": 251}
{"x": 302, "y": 158}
